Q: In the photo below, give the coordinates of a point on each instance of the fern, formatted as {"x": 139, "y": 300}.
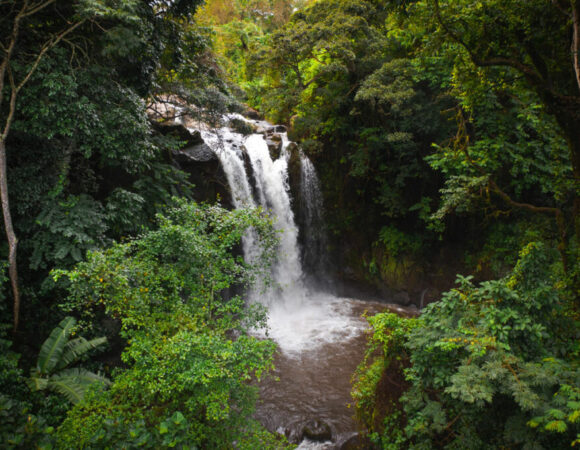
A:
{"x": 73, "y": 383}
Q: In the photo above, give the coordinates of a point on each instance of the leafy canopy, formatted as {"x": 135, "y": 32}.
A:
{"x": 188, "y": 354}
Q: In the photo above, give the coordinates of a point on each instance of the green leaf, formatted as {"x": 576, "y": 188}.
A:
{"x": 52, "y": 349}
{"x": 76, "y": 348}
{"x": 557, "y": 425}
{"x": 178, "y": 418}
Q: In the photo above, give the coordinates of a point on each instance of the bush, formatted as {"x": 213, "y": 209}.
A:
{"x": 491, "y": 366}
{"x": 189, "y": 358}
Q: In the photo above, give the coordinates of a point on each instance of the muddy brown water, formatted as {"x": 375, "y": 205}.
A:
{"x": 314, "y": 382}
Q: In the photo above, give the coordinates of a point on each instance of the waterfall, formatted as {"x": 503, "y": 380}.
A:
{"x": 300, "y": 319}
{"x": 314, "y": 242}
{"x": 273, "y": 192}
{"x": 320, "y": 336}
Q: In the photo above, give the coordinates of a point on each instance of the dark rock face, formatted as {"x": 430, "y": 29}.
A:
{"x": 178, "y": 131}
{"x": 317, "y": 430}
{"x": 274, "y": 143}
{"x": 295, "y": 179}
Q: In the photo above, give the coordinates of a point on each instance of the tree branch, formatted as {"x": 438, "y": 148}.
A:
{"x": 47, "y": 46}
{"x": 496, "y": 61}
{"x": 35, "y": 8}
{"x": 462, "y": 140}
{"x": 576, "y": 38}
{"x": 6, "y": 71}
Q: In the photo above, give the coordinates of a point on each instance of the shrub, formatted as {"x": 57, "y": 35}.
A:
{"x": 492, "y": 366}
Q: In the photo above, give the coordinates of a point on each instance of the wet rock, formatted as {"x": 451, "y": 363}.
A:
{"x": 280, "y": 129}
{"x": 242, "y": 127}
{"x": 292, "y": 147}
{"x": 293, "y": 434}
{"x": 317, "y": 430}
{"x": 261, "y": 129}
{"x": 402, "y": 298}
{"x": 275, "y": 147}
{"x": 178, "y": 131}
{"x": 251, "y": 113}
{"x": 249, "y": 169}
{"x": 357, "y": 442}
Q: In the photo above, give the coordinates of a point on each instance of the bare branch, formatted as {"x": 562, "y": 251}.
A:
{"x": 35, "y": 8}
{"x": 47, "y": 46}
{"x": 576, "y": 38}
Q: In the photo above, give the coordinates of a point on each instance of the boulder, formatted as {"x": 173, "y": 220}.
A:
{"x": 251, "y": 113}
{"x": 317, "y": 430}
{"x": 242, "y": 127}
{"x": 195, "y": 153}
{"x": 275, "y": 147}
{"x": 280, "y": 129}
{"x": 357, "y": 442}
{"x": 178, "y": 131}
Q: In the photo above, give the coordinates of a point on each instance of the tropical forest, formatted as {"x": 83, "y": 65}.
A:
{"x": 279, "y": 224}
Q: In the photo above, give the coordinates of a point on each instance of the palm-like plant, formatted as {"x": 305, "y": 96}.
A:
{"x": 58, "y": 352}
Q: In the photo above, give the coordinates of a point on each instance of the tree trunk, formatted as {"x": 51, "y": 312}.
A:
{"x": 10, "y": 235}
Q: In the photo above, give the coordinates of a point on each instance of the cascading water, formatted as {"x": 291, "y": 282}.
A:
{"x": 320, "y": 336}
{"x": 314, "y": 242}
{"x": 272, "y": 185}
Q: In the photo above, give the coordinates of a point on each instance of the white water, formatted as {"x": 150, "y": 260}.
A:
{"x": 272, "y": 185}
{"x": 300, "y": 320}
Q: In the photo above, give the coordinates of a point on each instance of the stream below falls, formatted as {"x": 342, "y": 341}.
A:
{"x": 314, "y": 366}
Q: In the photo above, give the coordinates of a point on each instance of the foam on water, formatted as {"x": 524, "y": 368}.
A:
{"x": 321, "y": 319}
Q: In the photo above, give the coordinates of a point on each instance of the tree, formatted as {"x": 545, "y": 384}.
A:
{"x": 539, "y": 42}
{"x": 67, "y": 70}
{"x": 188, "y": 351}
{"x": 56, "y": 354}
{"x": 16, "y": 15}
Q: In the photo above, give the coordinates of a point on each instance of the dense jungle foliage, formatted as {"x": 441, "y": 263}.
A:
{"x": 447, "y": 137}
